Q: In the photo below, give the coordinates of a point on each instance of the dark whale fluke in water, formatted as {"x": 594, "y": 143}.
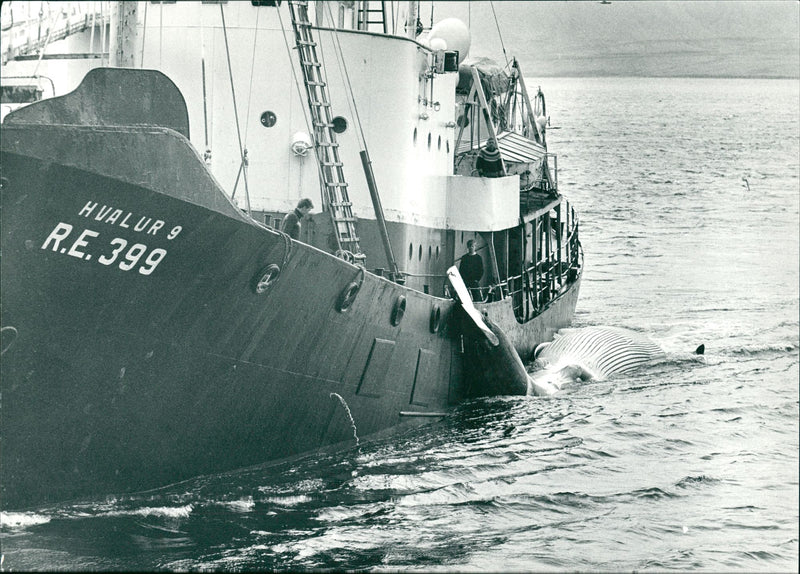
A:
{"x": 701, "y": 350}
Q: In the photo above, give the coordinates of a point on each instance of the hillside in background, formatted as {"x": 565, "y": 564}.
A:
{"x": 755, "y": 39}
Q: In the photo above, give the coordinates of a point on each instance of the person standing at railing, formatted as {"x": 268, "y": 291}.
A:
{"x": 488, "y": 163}
{"x": 291, "y": 222}
{"x": 471, "y": 270}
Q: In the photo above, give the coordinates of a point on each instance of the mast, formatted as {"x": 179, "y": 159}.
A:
{"x": 123, "y": 34}
{"x": 411, "y": 22}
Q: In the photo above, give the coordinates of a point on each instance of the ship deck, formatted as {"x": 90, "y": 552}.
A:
{"x": 533, "y": 204}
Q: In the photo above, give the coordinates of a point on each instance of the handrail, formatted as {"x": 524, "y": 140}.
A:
{"x": 546, "y": 277}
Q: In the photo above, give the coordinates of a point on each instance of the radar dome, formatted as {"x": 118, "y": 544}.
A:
{"x": 437, "y": 44}
{"x": 455, "y": 33}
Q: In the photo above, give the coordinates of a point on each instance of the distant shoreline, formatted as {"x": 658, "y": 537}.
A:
{"x": 671, "y": 77}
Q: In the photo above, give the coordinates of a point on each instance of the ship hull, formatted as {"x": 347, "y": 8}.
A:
{"x": 118, "y": 379}
{"x": 139, "y": 349}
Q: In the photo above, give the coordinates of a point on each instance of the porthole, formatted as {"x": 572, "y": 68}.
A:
{"x": 339, "y": 124}
{"x": 410, "y": 250}
{"x": 430, "y": 138}
{"x": 415, "y": 136}
{"x": 430, "y": 251}
{"x": 437, "y": 252}
{"x": 420, "y": 252}
{"x": 448, "y": 146}
{"x": 268, "y": 119}
{"x": 462, "y": 237}
{"x": 439, "y": 144}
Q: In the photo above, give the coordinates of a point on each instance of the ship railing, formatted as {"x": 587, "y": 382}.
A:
{"x": 554, "y": 269}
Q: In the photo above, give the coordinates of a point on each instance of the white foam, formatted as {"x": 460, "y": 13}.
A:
{"x": 22, "y": 519}
{"x": 288, "y": 500}
{"x": 243, "y": 505}
{"x": 165, "y": 511}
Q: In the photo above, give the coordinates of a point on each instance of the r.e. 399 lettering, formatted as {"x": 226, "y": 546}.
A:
{"x": 129, "y": 260}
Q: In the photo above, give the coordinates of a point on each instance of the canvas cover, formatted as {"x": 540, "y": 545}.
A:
{"x": 494, "y": 78}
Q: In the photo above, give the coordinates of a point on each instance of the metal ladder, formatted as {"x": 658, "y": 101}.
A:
{"x": 325, "y": 143}
{"x": 368, "y": 15}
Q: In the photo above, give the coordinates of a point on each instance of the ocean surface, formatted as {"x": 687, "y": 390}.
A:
{"x": 688, "y": 192}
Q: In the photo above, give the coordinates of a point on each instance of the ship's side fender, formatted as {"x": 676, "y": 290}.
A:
{"x": 348, "y": 296}
{"x": 265, "y": 278}
{"x": 399, "y": 310}
{"x": 349, "y": 293}
{"x": 436, "y": 319}
{"x": 268, "y": 275}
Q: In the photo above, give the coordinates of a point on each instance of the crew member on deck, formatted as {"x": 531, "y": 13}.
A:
{"x": 291, "y": 223}
{"x": 471, "y": 270}
{"x": 488, "y": 163}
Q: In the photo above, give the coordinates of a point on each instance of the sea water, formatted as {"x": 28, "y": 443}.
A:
{"x": 688, "y": 196}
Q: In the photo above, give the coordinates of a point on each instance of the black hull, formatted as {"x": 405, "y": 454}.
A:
{"x": 127, "y": 369}
{"x": 116, "y": 377}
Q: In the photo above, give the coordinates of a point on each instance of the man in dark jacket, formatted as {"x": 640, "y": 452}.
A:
{"x": 488, "y": 163}
{"x": 471, "y": 270}
{"x": 291, "y": 223}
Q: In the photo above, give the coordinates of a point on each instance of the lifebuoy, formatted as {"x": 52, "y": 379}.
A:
{"x": 265, "y": 278}
{"x": 399, "y": 310}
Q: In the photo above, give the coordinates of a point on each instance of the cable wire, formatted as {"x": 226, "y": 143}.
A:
{"x": 236, "y": 111}
{"x": 497, "y": 24}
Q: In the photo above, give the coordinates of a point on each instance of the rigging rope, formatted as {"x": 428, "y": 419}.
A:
{"x": 497, "y": 24}
{"x": 250, "y": 91}
{"x": 351, "y": 103}
{"x": 236, "y": 113}
{"x": 207, "y": 151}
{"x": 144, "y": 32}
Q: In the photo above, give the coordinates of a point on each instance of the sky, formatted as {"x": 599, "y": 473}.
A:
{"x": 658, "y": 38}
{"x": 675, "y": 38}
